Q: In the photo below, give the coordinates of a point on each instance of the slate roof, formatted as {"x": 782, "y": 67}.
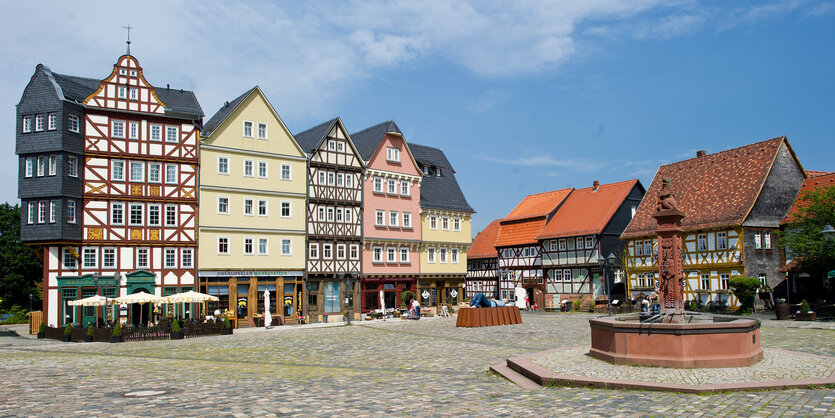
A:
{"x": 819, "y": 180}
{"x": 714, "y": 190}
{"x": 484, "y": 244}
{"x": 439, "y": 192}
{"x": 587, "y": 211}
{"x": 368, "y": 139}
{"x": 526, "y": 220}
{"x": 79, "y": 88}
{"x": 310, "y": 139}
{"x": 224, "y": 112}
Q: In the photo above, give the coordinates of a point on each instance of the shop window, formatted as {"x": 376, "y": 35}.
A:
{"x": 332, "y": 297}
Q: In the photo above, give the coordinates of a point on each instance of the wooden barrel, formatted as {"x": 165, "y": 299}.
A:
{"x": 782, "y": 310}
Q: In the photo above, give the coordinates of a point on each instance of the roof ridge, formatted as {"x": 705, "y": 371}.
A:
{"x": 727, "y": 150}
{"x": 371, "y": 127}
{"x": 327, "y": 122}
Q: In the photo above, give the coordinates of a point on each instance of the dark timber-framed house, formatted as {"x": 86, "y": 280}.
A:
{"x": 482, "y": 263}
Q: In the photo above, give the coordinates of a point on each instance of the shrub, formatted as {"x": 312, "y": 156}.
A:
{"x": 694, "y": 306}
{"x": 68, "y": 329}
{"x": 405, "y": 297}
{"x": 745, "y": 289}
{"x": 90, "y": 330}
{"x": 592, "y": 304}
{"x": 175, "y": 326}
{"x": 226, "y": 323}
{"x": 117, "y": 330}
{"x": 577, "y": 304}
{"x": 42, "y": 327}
{"x": 804, "y": 307}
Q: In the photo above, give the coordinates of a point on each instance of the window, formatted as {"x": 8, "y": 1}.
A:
{"x": 69, "y": 260}
{"x": 262, "y": 169}
{"x": 391, "y": 254}
{"x": 313, "y": 250}
{"x": 248, "y": 129}
{"x": 562, "y": 245}
{"x": 118, "y": 129}
{"x": 321, "y": 177}
{"x": 355, "y": 252}
{"x": 340, "y": 146}
{"x": 379, "y": 220}
{"x": 134, "y": 93}
{"x": 327, "y": 251}
{"x": 223, "y": 165}
{"x": 39, "y": 123}
{"x": 339, "y": 212}
{"x": 705, "y": 282}
{"x": 142, "y": 260}
{"x": 285, "y": 209}
{"x": 393, "y": 218}
{"x": 701, "y": 242}
{"x": 133, "y": 130}
{"x": 393, "y": 154}
{"x": 330, "y": 214}
{"x": 262, "y": 208}
{"x": 262, "y": 131}
{"x": 766, "y": 240}
{"x": 136, "y": 213}
{"x": 721, "y": 240}
{"x": 639, "y": 248}
{"x": 153, "y": 214}
{"x": 249, "y": 207}
{"x": 642, "y": 282}
{"x": 42, "y": 212}
{"x": 433, "y": 222}
{"x": 285, "y": 171}
{"x": 438, "y": 171}
{"x": 378, "y": 255}
{"x": 52, "y": 122}
{"x": 71, "y": 211}
{"x": 73, "y": 123}
{"x": 724, "y": 280}
{"x": 249, "y": 249}
{"x": 170, "y": 215}
{"x": 117, "y": 213}
{"x": 445, "y": 223}
{"x": 392, "y": 186}
{"x": 456, "y": 224}
{"x": 223, "y": 205}
{"x": 378, "y": 185}
{"x": 171, "y": 174}
{"x": 53, "y": 165}
{"x": 330, "y": 178}
{"x": 442, "y": 255}
{"x": 589, "y": 242}
{"x": 171, "y": 134}
{"x": 340, "y": 179}
{"x": 30, "y": 167}
{"x": 321, "y": 213}
{"x": 156, "y": 133}
{"x": 122, "y": 89}
{"x": 154, "y": 172}
{"x": 170, "y": 258}
{"x": 332, "y": 145}
{"x": 53, "y": 208}
{"x": 187, "y": 258}
{"x": 348, "y": 215}
{"x": 41, "y": 166}
{"x": 648, "y": 247}
{"x": 407, "y": 220}
{"x": 430, "y": 255}
{"x": 137, "y": 171}
{"x": 31, "y": 216}
{"x": 89, "y": 257}
{"x": 263, "y": 246}
{"x": 404, "y": 255}
{"x": 349, "y": 180}
{"x": 579, "y": 243}
{"x": 404, "y": 187}
{"x": 340, "y": 251}
{"x": 223, "y": 245}
{"x": 27, "y": 124}
{"x": 285, "y": 247}
{"x": 453, "y": 255}
{"x": 248, "y": 168}
{"x": 763, "y": 281}
{"x": 552, "y": 245}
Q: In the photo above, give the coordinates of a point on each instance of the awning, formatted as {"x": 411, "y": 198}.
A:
{"x": 831, "y": 274}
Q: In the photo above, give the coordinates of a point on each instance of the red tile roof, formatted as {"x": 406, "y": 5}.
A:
{"x": 587, "y": 211}
{"x": 520, "y": 232}
{"x": 812, "y": 173}
{"x": 484, "y": 243}
{"x": 714, "y": 190}
{"x": 536, "y": 205}
{"x": 812, "y": 183}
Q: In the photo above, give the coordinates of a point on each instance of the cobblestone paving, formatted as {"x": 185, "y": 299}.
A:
{"x": 425, "y": 367}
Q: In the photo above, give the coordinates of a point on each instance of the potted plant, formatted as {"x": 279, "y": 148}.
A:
{"x": 68, "y": 333}
{"x": 41, "y": 330}
{"x": 781, "y": 308}
{"x": 116, "y": 336}
{"x": 176, "y": 330}
{"x": 89, "y": 337}
{"x": 227, "y": 327}
{"x": 804, "y": 314}
{"x": 577, "y": 303}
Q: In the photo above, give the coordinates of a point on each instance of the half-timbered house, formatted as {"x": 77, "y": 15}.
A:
{"x": 253, "y": 187}
{"x": 334, "y": 219}
{"x": 391, "y": 205}
{"x": 446, "y": 234}
{"x": 482, "y": 263}
{"x": 733, "y": 202}
{"x": 519, "y": 251}
{"x": 115, "y": 186}
{"x": 587, "y": 226}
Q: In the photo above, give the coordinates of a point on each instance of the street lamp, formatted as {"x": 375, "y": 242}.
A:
{"x": 342, "y": 280}
{"x": 102, "y": 285}
{"x": 608, "y": 262}
{"x": 828, "y": 233}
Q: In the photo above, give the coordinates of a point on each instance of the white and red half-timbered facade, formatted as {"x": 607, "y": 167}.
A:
{"x": 482, "y": 263}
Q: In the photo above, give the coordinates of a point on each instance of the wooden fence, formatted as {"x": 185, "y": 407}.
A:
{"x": 35, "y": 319}
{"x": 133, "y": 333}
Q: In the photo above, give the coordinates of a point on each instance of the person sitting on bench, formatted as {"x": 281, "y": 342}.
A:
{"x": 481, "y": 301}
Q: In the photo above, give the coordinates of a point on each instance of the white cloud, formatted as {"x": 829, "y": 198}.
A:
{"x": 544, "y": 161}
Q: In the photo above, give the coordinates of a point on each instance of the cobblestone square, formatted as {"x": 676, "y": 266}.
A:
{"x": 426, "y": 367}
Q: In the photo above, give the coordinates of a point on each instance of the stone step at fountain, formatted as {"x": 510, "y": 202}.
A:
{"x": 505, "y": 371}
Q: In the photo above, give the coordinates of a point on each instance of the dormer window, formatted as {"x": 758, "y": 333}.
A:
{"x": 438, "y": 171}
{"x": 426, "y": 170}
{"x": 393, "y": 154}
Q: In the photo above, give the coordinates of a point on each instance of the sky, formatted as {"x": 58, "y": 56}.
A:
{"x": 523, "y": 97}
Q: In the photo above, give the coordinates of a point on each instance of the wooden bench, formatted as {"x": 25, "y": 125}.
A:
{"x": 488, "y": 317}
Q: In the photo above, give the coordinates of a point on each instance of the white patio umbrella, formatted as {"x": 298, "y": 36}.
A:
{"x": 268, "y": 320}
{"x": 191, "y": 297}
{"x": 92, "y": 301}
{"x": 383, "y": 304}
{"x": 141, "y": 298}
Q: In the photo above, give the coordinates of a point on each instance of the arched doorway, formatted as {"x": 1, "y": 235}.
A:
{"x": 140, "y": 314}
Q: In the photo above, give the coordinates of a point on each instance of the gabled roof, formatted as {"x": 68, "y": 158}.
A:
{"x": 526, "y": 220}
{"x": 484, "y": 244}
{"x": 368, "y": 139}
{"x": 587, "y": 211}
{"x": 439, "y": 192}
{"x": 820, "y": 180}
{"x": 224, "y": 112}
{"x": 310, "y": 139}
{"x": 812, "y": 173}
{"x": 713, "y": 190}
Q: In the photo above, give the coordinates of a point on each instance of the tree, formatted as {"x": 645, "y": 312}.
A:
{"x": 803, "y": 239}
{"x": 20, "y": 267}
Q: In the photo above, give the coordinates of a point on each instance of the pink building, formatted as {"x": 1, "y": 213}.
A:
{"x": 391, "y": 216}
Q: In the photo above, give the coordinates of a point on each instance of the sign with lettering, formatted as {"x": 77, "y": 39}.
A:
{"x": 251, "y": 273}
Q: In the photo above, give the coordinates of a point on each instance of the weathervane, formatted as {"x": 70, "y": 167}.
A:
{"x": 128, "y": 27}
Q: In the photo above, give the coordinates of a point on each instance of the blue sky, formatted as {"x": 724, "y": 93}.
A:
{"x": 523, "y": 97}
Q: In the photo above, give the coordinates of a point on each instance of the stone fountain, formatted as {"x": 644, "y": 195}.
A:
{"x": 675, "y": 337}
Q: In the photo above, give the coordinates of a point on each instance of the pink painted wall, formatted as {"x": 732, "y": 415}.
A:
{"x": 373, "y": 201}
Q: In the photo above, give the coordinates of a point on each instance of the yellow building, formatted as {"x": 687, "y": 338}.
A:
{"x": 253, "y": 183}
{"x": 446, "y": 235}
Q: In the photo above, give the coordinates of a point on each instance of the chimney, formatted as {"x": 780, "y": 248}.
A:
{"x": 595, "y": 185}
{"x": 700, "y": 153}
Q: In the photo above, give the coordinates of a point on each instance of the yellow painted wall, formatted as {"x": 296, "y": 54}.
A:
{"x": 209, "y": 259}
{"x": 439, "y": 238}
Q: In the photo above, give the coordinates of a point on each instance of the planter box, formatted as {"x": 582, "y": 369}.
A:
{"x": 41, "y": 335}
{"x": 67, "y": 338}
{"x": 228, "y": 331}
{"x": 811, "y": 316}
{"x": 177, "y": 335}
{"x": 115, "y": 338}
{"x": 88, "y": 339}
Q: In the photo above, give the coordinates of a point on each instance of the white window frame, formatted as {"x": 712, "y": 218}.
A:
{"x": 286, "y": 171}
{"x": 169, "y": 130}
{"x": 442, "y": 255}
{"x": 701, "y": 242}
{"x": 377, "y": 255}
{"x": 133, "y": 130}
{"x": 156, "y": 132}
{"x": 456, "y": 224}
{"x": 263, "y": 204}
{"x": 131, "y": 207}
{"x": 391, "y": 254}
{"x": 263, "y": 169}
{"x": 444, "y": 223}
{"x": 29, "y": 169}
{"x": 143, "y": 258}
{"x": 42, "y": 212}
{"x": 704, "y": 279}
{"x": 327, "y": 251}
{"x": 263, "y": 245}
{"x": 117, "y": 208}
{"x": 187, "y": 263}
{"x": 378, "y": 184}
{"x": 404, "y": 255}
{"x": 134, "y": 93}
{"x": 589, "y": 243}
{"x": 71, "y": 212}
{"x": 117, "y": 129}
{"x": 41, "y": 166}
{"x": 391, "y": 186}
{"x": 104, "y": 258}
{"x": 52, "y": 121}
{"x": 158, "y": 208}
{"x": 154, "y": 167}
{"x": 53, "y": 209}
{"x": 766, "y": 240}
{"x": 453, "y": 255}
{"x": 141, "y": 165}
{"x": 579, "y": 243}
{"x": 52, "y": 164}
{"x": 404, "y": 187}
{"x": 354, "y": 252}
{"x": 433, "y": 222}
{"x": 430, "y": 255}
{"x": 167, "y": 212}
{"x": 248, "y": 126}
{"x": 249, "y": 246}
{"x": 168, "y": 171}
{"x": 724, "y": 281}
{"x": 262, "y": 125}
{"x": 286, "y": 247}
{"x": 223, "y": 165}
{"x": 223, "y": 203}
{"x": 74, "y": 123}
{"x": 721, "y": 240}
{"x": 92, "y": 261}
{"x": 407, "y": 219}
{"x": 249, "y": 210}
{"x": 40, "y": 123}
{"x": 341, "y": 254}
{"x": 380, "y": 218}
{"x": 392, "y": 154}
{"x": 31, "y": 213}
{"x": 249, "y": 164}
{"x": 393, "y": 217}
{"x": 27, "y": 124}
{"x": 313, "y": 250}
{"x": 349, "y": 215}
{"x": 122, "y": 91}
{"x": 172, "y": 252}
{"x": 223, "y": 240}
{"x": 286, "y": 204}
{"x": 339, "y": 215}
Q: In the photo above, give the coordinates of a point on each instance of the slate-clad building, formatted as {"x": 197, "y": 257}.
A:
{"x": 445, "y": 218}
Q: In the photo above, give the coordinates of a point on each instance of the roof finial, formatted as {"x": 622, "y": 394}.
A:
{"x": 128, "y": 27}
